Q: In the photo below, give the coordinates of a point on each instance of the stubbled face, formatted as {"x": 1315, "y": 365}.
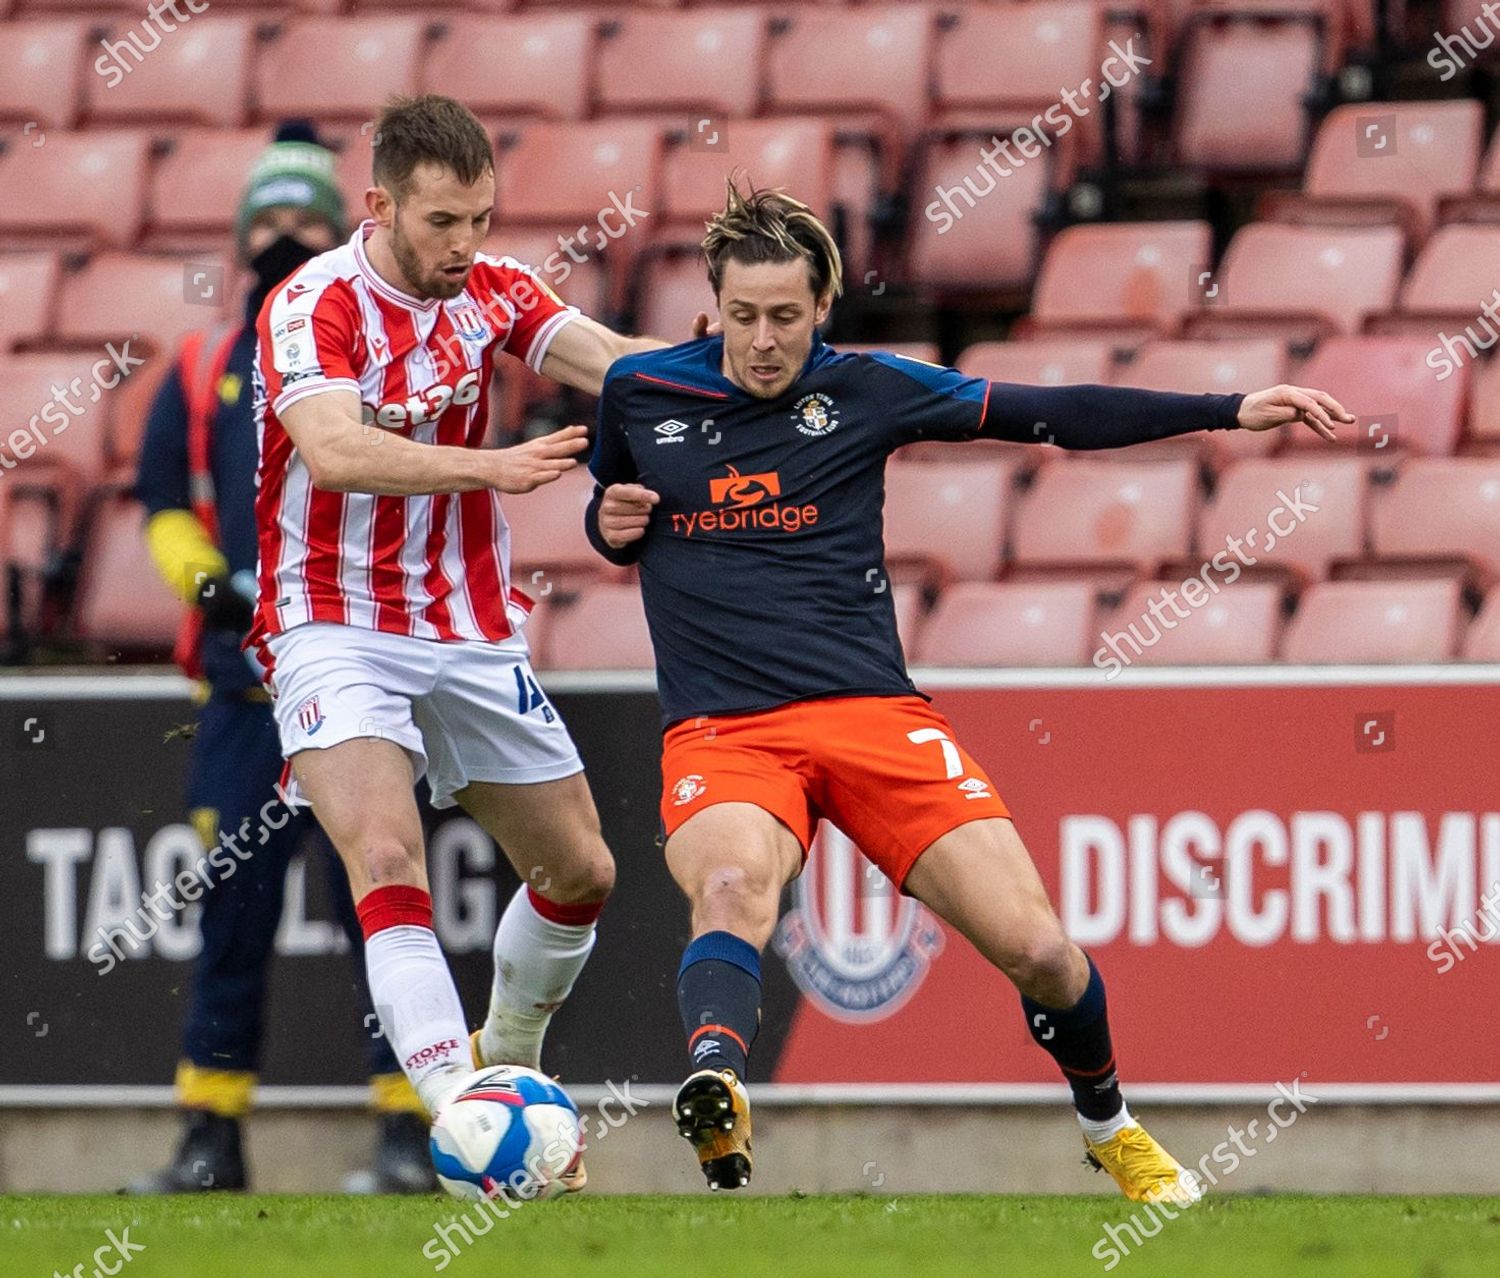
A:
{"x": 436, "y": 228}
{"x": 769, "y": 313}
{"x": 271, "y": 224}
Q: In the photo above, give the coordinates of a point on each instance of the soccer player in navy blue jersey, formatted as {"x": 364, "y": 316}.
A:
{"x": 743, "y": 474}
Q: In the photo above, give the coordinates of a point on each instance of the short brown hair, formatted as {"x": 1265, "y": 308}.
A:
{"x": 771, "y": 226}
{"x": 429, "y": 128}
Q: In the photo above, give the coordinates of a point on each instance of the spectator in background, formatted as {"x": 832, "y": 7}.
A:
{"x": 197, "y": 482}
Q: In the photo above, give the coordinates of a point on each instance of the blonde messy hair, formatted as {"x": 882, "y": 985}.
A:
{"x": 771, "y": 226}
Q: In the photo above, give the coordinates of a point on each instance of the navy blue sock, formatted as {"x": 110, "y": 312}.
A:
{"x": 1077, "y": 1038}
{"x": 718, "y": 993}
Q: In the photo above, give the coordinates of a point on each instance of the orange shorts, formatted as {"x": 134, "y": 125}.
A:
{"x": 885, "y": 770}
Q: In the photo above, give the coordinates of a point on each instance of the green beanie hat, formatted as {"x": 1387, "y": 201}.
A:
{"x": 294, "y": 171}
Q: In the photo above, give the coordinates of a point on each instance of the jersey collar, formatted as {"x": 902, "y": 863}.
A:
{"x": 376, "y": 281}
{"x": 714, "y": 354}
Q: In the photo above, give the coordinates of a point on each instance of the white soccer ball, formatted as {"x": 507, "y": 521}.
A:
{"x": 509, "y": 1128}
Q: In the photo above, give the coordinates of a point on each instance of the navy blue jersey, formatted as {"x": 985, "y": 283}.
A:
{"x": 761, "y": 565}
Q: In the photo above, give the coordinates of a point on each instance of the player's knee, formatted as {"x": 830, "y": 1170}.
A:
{"x": 589, "y": 875}
{"x": 1042, "y": 965}
{"x": 738, "y": 893}
{"x": 388, "y": 862}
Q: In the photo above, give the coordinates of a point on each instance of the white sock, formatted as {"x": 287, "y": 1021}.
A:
{"x": 536, "y": 963}
{"x": 419, "y": 1009}
{"x": 1100, "y": 1130}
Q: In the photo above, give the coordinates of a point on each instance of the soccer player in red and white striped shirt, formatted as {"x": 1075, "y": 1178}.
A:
{"x": 386, "y": 614}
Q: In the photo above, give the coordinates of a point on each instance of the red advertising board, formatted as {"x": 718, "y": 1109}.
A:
{"x": 1280, "y": 876}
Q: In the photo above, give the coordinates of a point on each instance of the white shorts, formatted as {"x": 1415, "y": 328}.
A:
{"x": 465, "y": 711}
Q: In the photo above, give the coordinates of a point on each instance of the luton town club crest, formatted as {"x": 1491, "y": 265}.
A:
{"x": 815, "y": 414}
{"x": 855, "y": 946}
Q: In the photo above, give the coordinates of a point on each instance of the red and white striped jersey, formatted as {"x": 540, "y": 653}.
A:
{"x": 435, "y": 567}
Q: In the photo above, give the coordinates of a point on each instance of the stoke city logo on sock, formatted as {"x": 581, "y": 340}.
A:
{"x": 854, "y": 945}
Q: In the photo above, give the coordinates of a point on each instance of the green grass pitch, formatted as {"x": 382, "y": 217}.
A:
{"x": 1281, "y": 1236}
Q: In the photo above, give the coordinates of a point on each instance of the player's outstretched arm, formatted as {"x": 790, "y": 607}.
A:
{"x": 1283, "y": 405}
{"x": 344, "y": 455}
{"x": 582, "y": 351}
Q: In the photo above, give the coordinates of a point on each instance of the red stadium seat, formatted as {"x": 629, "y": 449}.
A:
{"x": 999, "y": 66}
{"x": 1482, "y": 641}
{"x": 1089, "y": 514}
{"x": 1441, "y": 512}
{"x": 122, "y": 602}
{"x": 1301, "y": 282}
{"x": 149, "y": 300}
{"x": 1389, "y": 385}
{"x": 1207, "y": 368}
{"x": 978, "y": 233}
{"x": 1131, "y": 277}
{"x": 1047, "y": 361}
{"x": 1482, "y": 204}
{"x": 80, "y": 190}
{"x": 43, "y": 60}
{"x": 1228, "y": 63}
{"x": 927, "y": 352}
{"x": 1445, "y": 287}
{"x": 1386, "y": 163}
{"x": 911, "y": 613}
{"x": 1042, "y": 623}
{"x": 1225, "y": 625}
{"x": 947, "y": 518}
{"x": 672, "y": 290}
{"x": 795, "y": 154}
{"x": 31, "y": 536}
{"x": 1484, "y": 408}
{"x": 196, "y": 188}
{"x": 198, "y": 74}
{"x": 701, "y": 60}
{"x": 549, "y": 549}
{"x": 603, "y": 629}
{"x": 1375, "y": 623}
{"x": 534, "y": 64}
{"x": 339, "y": 68}
{"x": 1258, "y": 502}
{"x": 579, "y": 284}
{"x": 28, "y": 288}
{"x": 63, "y": 414}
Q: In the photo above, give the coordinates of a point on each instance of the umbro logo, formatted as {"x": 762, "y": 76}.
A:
{"x": 670, "y": 431}
{"x": 974, "y": 788}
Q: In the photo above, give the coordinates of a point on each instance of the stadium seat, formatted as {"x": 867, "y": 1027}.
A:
{"x": 1383, "y": 163}
{"x": 196, "y": 187}
{"x": 78, "y": 191}
{"x": 43, "y": 59}
{"x": 150, "y": 300}
{"x": 672, "y": 288}
{"x": 907, "y": 597}
{"x": 1041, "y": 623}
{"x": 1389, "y": 385}
{"x": 1227, "y": 62}
{"x": 339, "y": 68}
{"x": 122, "y": 603}
{"x": 1207, "y": 368}
{"x": 28, "y": 289}
{"x": 1484, "y": 409}
{"x": 198, "y": 74}
{"x": 1299, "y": 283}
{"x": 1374, "y": 623}
{"x": 978, "y": 234}
{"x": 603, "y": 629}
{"x": 1251, "y": 505}
{"x": 1093, "y": 515}
{"x": 55, "y": 396}
{"x": 927, "y": 352}
{"x": 1060, "y": 361}
{"x": 1445, "y": 287}
{"x": 999, "y": 66}
{"x": 1130, "y": 279}
{"x": 699, "y": 60}
{"x": 1482, "y": 204}
{"x": 549, "y": 549}
{"x": 1442, "y": 512}
{"x": 580, "y": 284}
{"x": 534, "y": 64}
{"x": 1226, "y": 625}
{"x": 947, "y": 518}
{"x": 1482, "y": 639}
{"x": 31, "y": 531}
{"x": 795, "y": 154}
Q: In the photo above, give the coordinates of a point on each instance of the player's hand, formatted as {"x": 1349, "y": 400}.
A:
{"x": 703, "y": 326}
{"x": 624, "y": 512}
{"x": 1282, "y": 405}
{"x": 538, "y": 461}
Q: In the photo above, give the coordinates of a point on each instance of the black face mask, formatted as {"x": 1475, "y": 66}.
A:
{"x": 273, "y": 264}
